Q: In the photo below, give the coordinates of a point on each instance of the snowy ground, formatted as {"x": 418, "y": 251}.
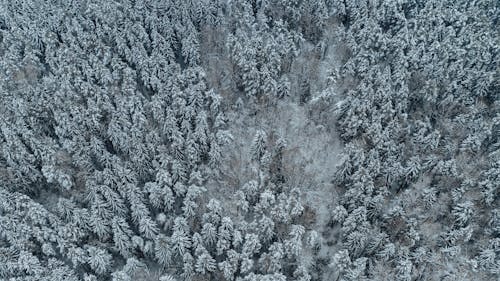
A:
{"x": 312, "y": 153}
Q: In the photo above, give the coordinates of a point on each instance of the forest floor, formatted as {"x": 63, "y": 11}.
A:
{"x": 313, "y": 147}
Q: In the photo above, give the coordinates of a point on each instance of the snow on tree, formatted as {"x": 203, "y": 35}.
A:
{"x": 120, "y": 120}
{"x": 99, "y": 259}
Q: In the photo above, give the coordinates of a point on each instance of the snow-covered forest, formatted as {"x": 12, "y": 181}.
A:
{"x": 249, "y": 140}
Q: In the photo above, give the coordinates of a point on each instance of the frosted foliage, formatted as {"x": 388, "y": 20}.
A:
{"x": 246, "y": 140}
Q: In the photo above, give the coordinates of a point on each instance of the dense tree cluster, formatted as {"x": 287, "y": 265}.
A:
{"x": 115, "y": 136}
{"x": 420, "y": 121}
{"x": 109, "y": 133}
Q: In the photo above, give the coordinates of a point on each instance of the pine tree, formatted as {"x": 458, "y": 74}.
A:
{"x": 162, "y": 250}
{"x": 121, "y": 236}
{"x": 258, "y": 145}
{"x": 204, "y": 262}
{"x": 209, "y": 234}
{"x": 99, "y": 259}
{"x": 180, "y": 242}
